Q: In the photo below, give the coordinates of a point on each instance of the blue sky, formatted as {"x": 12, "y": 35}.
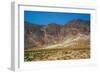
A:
{"x": 44, "y": 18}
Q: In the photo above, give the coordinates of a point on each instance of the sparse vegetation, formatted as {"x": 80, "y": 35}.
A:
{"x": 56, "y": 54}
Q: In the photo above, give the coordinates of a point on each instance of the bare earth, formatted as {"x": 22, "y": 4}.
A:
{"x": 56, "y": 54}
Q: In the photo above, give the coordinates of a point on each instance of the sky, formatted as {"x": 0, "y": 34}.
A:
{"x": 44, "y": 18}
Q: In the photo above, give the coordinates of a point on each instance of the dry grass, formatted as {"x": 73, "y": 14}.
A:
{"x": 56, "y": 54}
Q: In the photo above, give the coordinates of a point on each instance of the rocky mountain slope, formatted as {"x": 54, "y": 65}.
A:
{"x": 74, "y": 34}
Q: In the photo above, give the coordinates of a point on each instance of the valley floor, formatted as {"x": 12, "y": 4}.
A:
{"x": 56, "y": 54}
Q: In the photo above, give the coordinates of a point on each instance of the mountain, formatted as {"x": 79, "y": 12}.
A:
{"x": 74, "y": 34}
{"x": 78, "y": 41}
{"x": 77, "y": 26}
{"x": 32, "y": 35}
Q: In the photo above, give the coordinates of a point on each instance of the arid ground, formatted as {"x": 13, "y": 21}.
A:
{"x": 56, "y": 54}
